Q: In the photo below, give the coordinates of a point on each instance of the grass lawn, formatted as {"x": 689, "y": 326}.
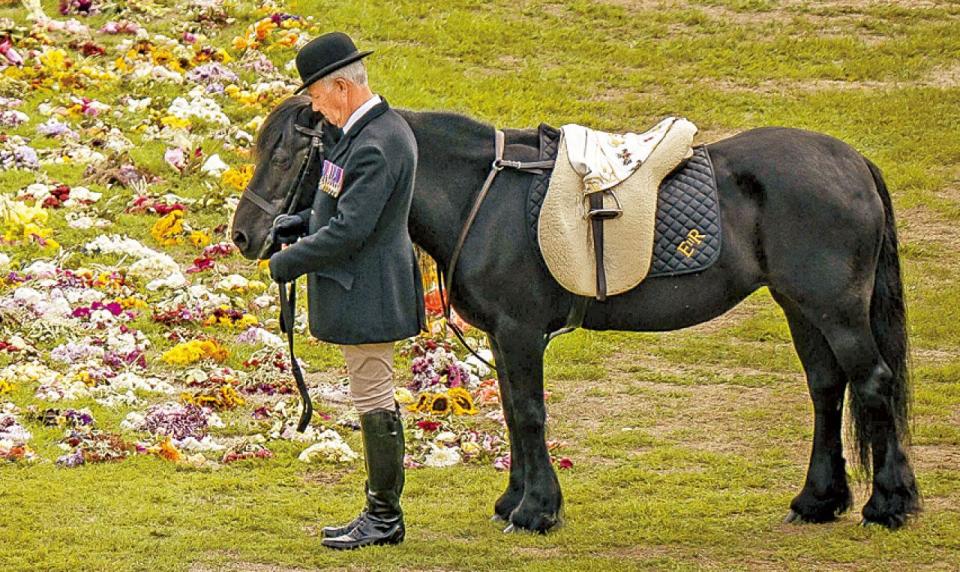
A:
{"x": 687, "y": 446}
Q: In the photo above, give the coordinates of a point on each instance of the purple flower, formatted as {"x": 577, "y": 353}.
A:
{"x": 71, "y": 460}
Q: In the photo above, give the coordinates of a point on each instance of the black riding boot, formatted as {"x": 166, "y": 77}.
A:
{"x": 383, "y": 448}
{"x": 334, "y": 531}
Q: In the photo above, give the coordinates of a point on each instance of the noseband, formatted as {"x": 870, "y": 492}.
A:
{"x": 288, "y": 298}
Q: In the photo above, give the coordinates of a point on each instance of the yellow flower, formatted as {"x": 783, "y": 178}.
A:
{"x": 239, "y": 177}
{"x": 133, "y": 303}
{"x": 226, "y": 397}
{"x": 440, "y": 404}
{"x": 423, "y": 403}
{"x": 193, "y": 351}
{"x": 175, "y": 122}
{"x": 403, "y": 395}
{"x": 461, "y": 401}
{"x": 5, "y": 386}
{"x": 168, "y": 229}
{"x": 54, "y": 60}
{"x": 199, "y": 238}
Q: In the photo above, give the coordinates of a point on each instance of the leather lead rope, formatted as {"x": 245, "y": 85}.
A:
{"x": 287, "y": 314}
{"x": 288, "y": 299}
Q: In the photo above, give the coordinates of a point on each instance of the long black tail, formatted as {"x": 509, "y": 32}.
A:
{"x": 888, "y": 319}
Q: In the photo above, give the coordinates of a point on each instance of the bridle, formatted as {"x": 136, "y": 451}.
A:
{"x": 292, "y": 198}
{"x": 288, "y": 299}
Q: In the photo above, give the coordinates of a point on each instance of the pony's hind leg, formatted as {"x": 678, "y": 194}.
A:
{"x": 825, "y": 493}
{"x": 877, "y": 427}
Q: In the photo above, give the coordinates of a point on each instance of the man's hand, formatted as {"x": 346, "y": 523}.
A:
{"x": 287, "y": 228}
{"x": 281, "y": 270}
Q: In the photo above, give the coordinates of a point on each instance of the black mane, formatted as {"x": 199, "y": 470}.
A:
{"x": 277, "y": 122}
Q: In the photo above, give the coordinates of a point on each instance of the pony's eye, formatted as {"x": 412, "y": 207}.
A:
{"x": 280, "y": 159}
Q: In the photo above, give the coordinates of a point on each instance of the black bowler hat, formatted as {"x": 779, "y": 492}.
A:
{"x": 325, "y": 54}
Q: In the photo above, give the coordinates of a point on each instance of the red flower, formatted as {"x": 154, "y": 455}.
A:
{"x": 433, "y": 303}
{"x": 565, "y": 463}
{"x": 428, "y": 425}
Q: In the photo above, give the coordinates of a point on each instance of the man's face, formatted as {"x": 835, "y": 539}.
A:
{"x": 330, "y": 100}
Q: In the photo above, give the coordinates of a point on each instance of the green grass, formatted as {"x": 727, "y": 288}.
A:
{"x": 687, "y": 446}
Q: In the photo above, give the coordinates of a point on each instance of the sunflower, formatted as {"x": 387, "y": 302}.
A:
{"x": 461, "y": 401}
{"x": 423, "y": 403}
{"x": 440, "y": 404}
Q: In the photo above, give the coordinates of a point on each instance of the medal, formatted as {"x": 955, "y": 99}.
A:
{"x": 331, "y": 179}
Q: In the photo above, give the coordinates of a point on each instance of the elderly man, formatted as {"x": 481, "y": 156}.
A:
{"x": 364, "y": 284}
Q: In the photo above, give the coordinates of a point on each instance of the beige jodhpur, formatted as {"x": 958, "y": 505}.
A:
{"x": 371, "y": 375}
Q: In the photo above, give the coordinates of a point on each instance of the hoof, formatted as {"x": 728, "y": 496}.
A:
{"x": 890, "y": 523}
{"x": 497, "y": 518}
{"x": 541, "y": 522}
{"x": 793, "y": 517}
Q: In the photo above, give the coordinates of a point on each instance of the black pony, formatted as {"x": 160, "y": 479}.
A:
{"x": 802, "y": 213}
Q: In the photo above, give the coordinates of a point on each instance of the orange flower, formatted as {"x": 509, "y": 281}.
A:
{"x": 168, "y": 451}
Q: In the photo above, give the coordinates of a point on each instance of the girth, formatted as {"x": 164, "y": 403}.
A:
{"x": 445, "y": 279}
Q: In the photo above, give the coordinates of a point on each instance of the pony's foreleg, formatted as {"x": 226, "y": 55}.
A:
{"x": 511, "y": 498}
{"x": 521, "y": 351}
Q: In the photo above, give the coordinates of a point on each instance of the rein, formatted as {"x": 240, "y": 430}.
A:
{"x": 498, "y": 165}
{"x": 288, "y": 298}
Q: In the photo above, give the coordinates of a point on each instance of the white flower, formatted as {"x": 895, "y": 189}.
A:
{"x": 176, "y": 280}
{"x": 445, "y": 437}
{"x": 331, "y": 447}
{"x": 133, "y": 422}
{"x": 4, "y": 262}
{"x": 157, "y": 266}
{"x": 214, "y": 166}
{"x": 442, "y": 456}
{"x": 41, "y": 269}
{"x": 476, "y": 366}
{"x": 192, "y": 444}
{"x": 115, "y": 244}
{"x": 135, "y": 105}
{"x": 120, "y": 399}
{"x": 233, "y": 282}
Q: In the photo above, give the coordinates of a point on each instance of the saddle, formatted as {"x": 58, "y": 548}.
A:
{"x": 598, "y": 219}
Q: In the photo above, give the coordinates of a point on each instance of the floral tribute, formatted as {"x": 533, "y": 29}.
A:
{"x": 126, "y": 134}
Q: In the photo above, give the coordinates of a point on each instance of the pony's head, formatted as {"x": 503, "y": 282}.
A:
{"x": 279, "y": 153}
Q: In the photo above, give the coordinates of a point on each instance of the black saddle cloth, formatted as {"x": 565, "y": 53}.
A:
{"x": 687, "y": 203}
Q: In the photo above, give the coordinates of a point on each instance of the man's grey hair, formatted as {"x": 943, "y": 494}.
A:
{"x": 355, "y": 73}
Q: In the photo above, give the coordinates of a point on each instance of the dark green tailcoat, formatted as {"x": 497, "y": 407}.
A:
{"x": 363, "y": 280}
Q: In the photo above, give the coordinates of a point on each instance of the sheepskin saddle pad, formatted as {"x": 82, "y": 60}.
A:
{"x": 670, "y": 221}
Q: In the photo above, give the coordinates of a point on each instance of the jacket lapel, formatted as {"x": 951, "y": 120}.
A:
{"x": 344, "y": 143}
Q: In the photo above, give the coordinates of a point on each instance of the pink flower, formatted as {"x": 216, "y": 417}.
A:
{"x": 176, "y": 160}
{"x": 6, "y": 48}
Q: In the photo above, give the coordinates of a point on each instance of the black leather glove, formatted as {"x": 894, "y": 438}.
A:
{"x": 287, "y": 228}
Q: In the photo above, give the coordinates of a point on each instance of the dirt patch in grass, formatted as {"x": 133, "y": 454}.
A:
{"x": 922, "y": 224}
{"x": 713, "y": 417}
{"x": 251, "y": 567}
{"x": 930, "y": 457}
{"x": 325, "y": 477}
